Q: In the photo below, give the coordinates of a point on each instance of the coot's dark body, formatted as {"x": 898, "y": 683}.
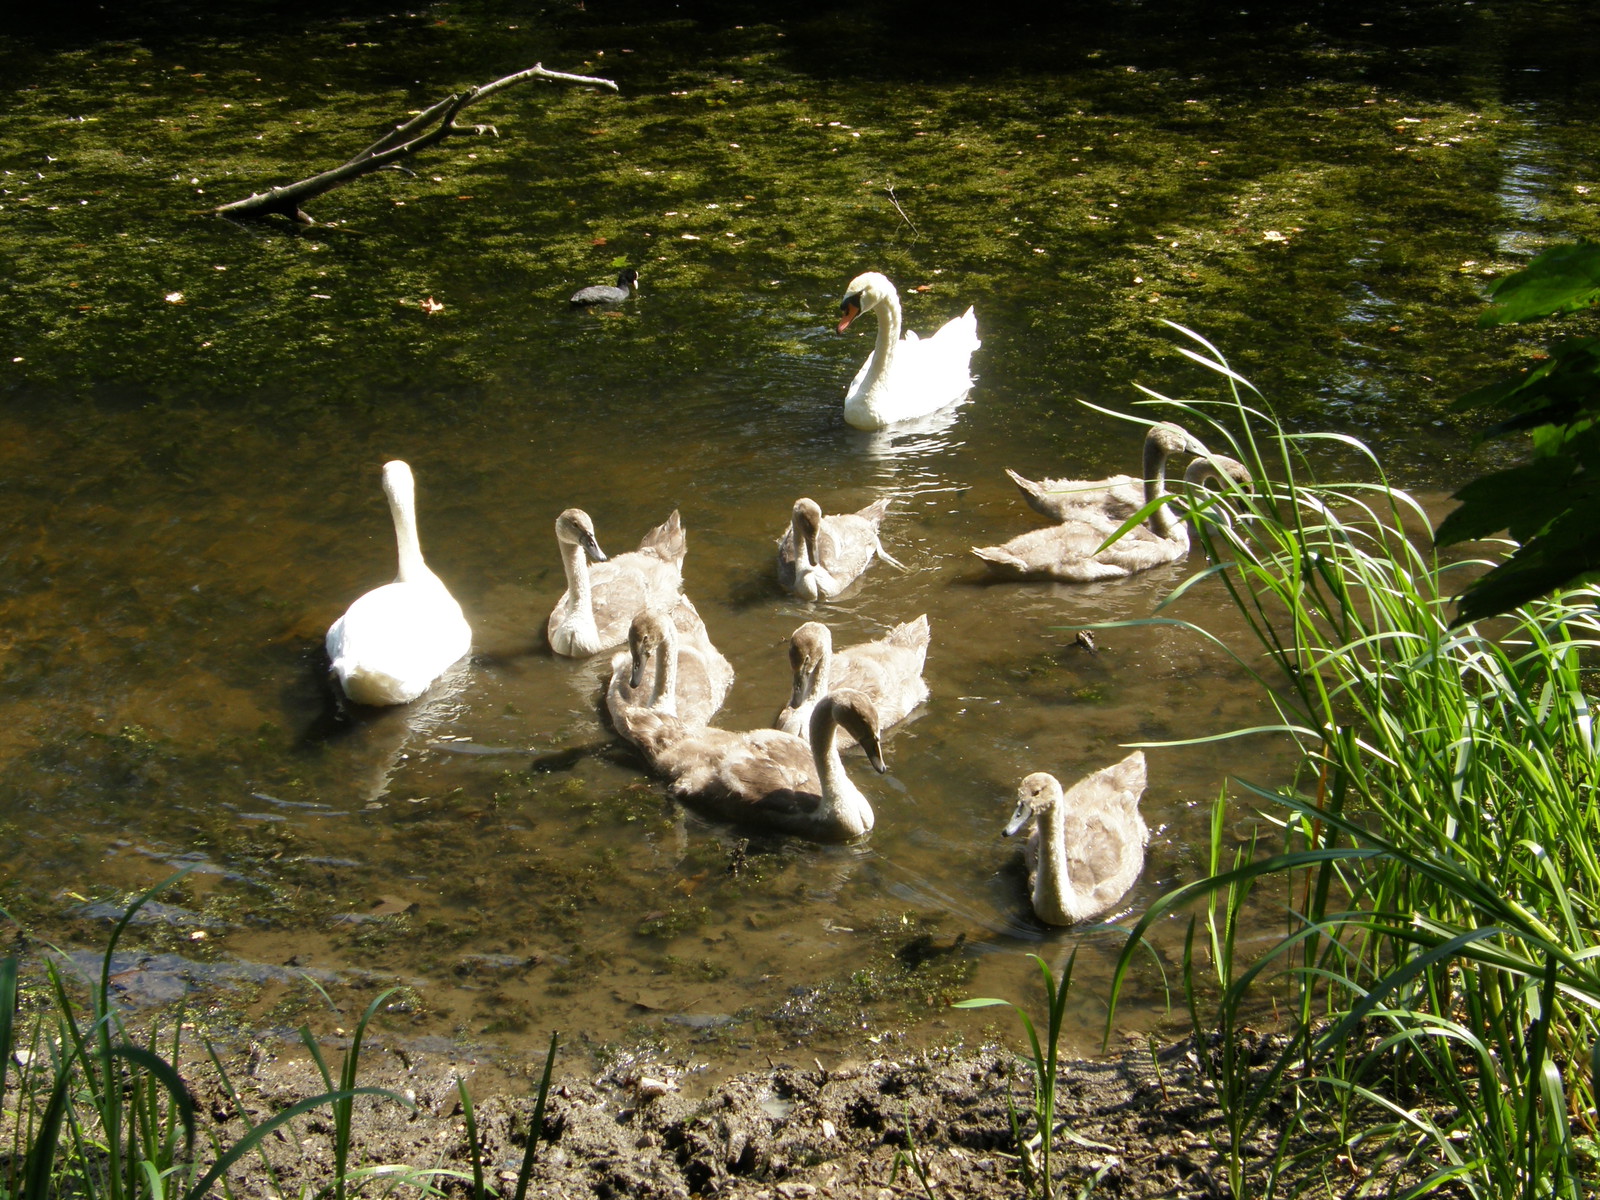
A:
{"x": 604, "y": 293}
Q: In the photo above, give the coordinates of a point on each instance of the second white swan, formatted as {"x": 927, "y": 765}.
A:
{"x": 904, "y": 377}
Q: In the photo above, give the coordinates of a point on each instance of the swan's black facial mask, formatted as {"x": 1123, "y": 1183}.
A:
{"x": 850, "y": 306}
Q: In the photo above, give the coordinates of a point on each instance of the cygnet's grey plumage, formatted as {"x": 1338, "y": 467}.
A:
{"x": 818, "y": 556}
{"x": 601, "y": 600}
{"x": 1074, "y": 551}
{"x": 1086, "y": 845}
{"x": 670, "y": 666}
{"x": 1118, "y": 497}
{"x": 888, "y": 670}
{"x": 604, "y": 293}
{"x": 770, "y": 780}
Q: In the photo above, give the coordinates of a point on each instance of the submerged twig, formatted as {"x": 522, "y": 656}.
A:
{"x": 427, "y": 128}
{"x": 901, "y": 211}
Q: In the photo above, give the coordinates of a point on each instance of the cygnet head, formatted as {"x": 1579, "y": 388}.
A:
{"x": 1036, "y": 796}
{"x": 852, "y": 711}
{"x": 1175, "y": 439}
{"x": 648, "y": 633}
{"x": 574, "y": 527}
{"x": 809, "y": 648}
{"x": 863, "y": 294}
{"x": 1217, "y": 472}
{"x": 806, "y": 520}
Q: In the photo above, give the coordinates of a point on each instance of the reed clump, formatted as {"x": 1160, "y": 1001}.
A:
{"x": 1440, "y": 964}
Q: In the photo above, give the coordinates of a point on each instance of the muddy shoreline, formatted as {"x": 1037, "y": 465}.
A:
{"x": 1136, "y": 1125}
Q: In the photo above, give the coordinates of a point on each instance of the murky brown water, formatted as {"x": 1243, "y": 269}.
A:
{"x": 189, "y": 506}
{"x": 192, "y": 608}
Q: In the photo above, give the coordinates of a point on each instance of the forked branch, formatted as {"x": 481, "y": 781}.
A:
{"x": 427, "y": 128}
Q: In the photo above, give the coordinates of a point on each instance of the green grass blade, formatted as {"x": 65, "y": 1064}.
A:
{"x": 536, "y": 1124}
{"x": 250, "y": 1140}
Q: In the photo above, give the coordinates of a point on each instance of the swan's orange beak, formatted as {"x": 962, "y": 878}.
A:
{"x": 851, "y": 308}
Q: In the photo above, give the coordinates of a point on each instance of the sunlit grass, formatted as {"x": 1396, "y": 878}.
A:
{"x": 1440, "y": 966}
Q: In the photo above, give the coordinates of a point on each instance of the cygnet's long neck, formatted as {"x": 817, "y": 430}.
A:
{"x": 843, "y": 806}
{"x": 811, "y": 582}
{"x": 665, "y": 697}
{"x": 888, "y": 313}
{"x": 821, "y": 679}
{"x": 1163, "y": 521}
{"x": 1053, "y": 897}
{"x": 580, "y": 597}
{"x": 403, "y": 509}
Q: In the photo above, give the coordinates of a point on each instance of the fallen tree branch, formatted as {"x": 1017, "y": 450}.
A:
{"x": 427, "y": 128}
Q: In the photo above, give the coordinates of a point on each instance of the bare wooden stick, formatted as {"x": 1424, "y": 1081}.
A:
{"x": 427, "y": 128}
{"x": 898, "y": 209}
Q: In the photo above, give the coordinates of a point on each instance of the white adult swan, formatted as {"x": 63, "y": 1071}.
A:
{"x": 904, "y": 377}
{"x": 397, "y": 639}
{"x": 819, "y": 556}
{"x": 888, "y": 671}
{"x": 601, "y": 601}
{"x": 690, "y": 679}
{"x": 1074, "y": 551}
{"x": 1115, "y": 498}
{"x": 1086, "y": 847}
{"x": 767, "y": 779}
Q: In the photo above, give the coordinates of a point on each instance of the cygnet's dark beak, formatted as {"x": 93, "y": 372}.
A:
{"x": 592, "y": 548}
{"x": 850, "y": 306}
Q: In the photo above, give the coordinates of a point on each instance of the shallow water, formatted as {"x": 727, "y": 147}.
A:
{"x": 191, "y": 487}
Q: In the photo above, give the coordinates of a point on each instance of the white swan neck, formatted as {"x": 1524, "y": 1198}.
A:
{"x": 888, "y": 313}
{"x": 403, "y": 509}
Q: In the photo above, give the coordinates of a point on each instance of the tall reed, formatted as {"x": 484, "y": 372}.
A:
{"x": 1439, "y": 839}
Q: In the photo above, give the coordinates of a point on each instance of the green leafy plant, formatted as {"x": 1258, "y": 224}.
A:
{"x": 1034, "y": 1153}
{"x": 1547, "y": 505}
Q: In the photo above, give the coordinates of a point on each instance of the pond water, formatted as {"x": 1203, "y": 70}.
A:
{"x": 196, "y": 413}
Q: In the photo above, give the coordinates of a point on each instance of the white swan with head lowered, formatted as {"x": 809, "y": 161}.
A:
{"x": 1086, "y": 846}
{"x": 904, "y": 377}
{"x": 1117, "y": 497}
{"x": 889, "y": 671}
{"x": 395, "y": 640}
{"x": 771, "y": 780}
{"x": 1075, "y": 550}
{"x": 818, "y": 557}
{"x": 601, "y": 601}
